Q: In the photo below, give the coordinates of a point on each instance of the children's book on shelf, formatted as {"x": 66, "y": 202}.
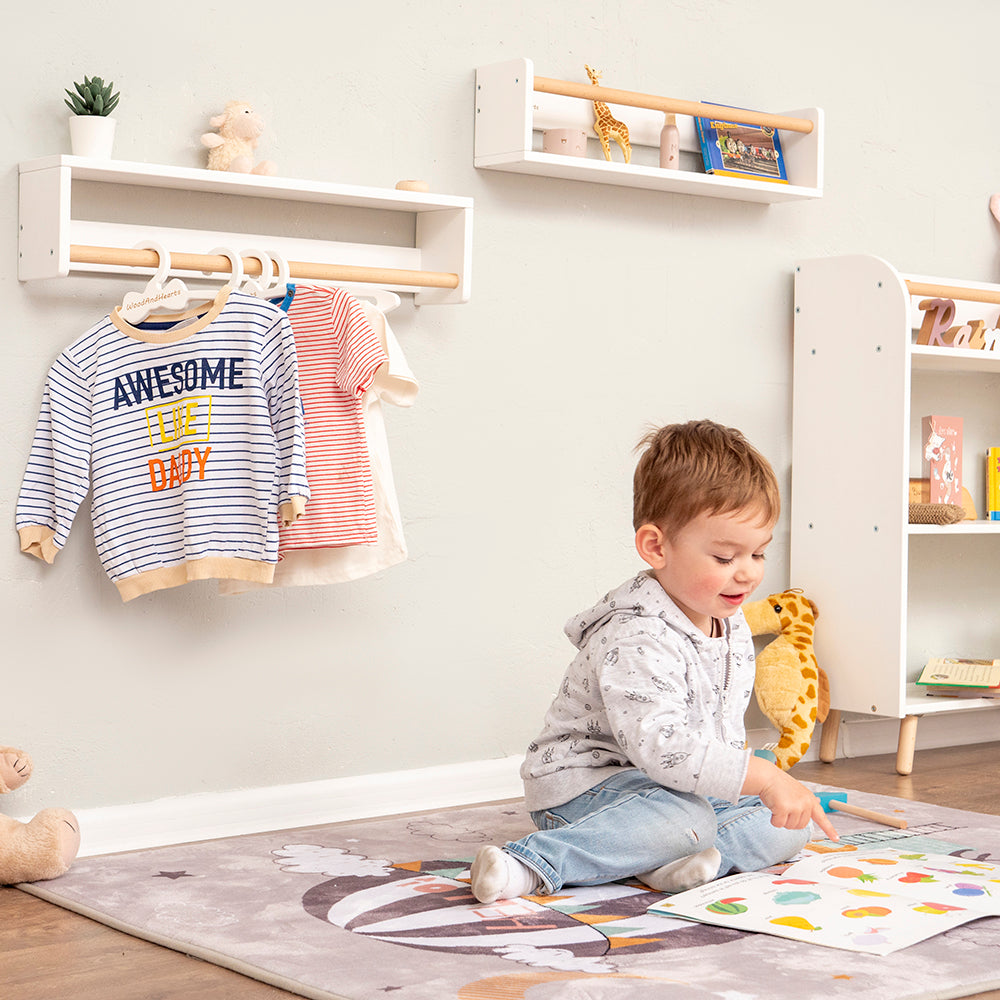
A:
{"x": 942, "y": 442}
{"x": 955, "y": 677}
{"x": 875, "y": 901}
{"x": 734, "y": 149}
{"x": 993, "y": 484}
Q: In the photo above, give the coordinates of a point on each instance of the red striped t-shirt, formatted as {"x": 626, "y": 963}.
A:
{"x": 338, "y": 355}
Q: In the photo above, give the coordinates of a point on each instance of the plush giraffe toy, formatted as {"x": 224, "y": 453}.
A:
{"x": 791, "y": 687}
{"x": 607, "y": 126}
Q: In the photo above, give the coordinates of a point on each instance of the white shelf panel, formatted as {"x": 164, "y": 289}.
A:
{"x": 575, "y": 168}
{"x": 246, "y": 185}
{"x": 980, "y": 527}
{"x": 918, "y": 703}
{"x": 953, "y": 360}
{"x": 509, "y": 111}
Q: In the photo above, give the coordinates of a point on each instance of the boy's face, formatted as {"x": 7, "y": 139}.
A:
{"x": 713, "y": 564}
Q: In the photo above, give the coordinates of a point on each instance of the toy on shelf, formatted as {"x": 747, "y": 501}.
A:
{"x": 45, "y": 846}
{"x": 920, "y": 497}
{"x": 607, "y": 126}
{"x": 233, "y": 146}
{"x": 792, "y": 689}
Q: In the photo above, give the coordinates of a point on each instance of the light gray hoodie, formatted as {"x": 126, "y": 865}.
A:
{"x": 649, "y": 690}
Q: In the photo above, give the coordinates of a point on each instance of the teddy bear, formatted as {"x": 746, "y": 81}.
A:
{"x": 45, "y": 846}
{"x": 232, "y": 147}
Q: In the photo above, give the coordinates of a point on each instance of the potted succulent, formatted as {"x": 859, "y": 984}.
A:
{"x": 91, "y": 129}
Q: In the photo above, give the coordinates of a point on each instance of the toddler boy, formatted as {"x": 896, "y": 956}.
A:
{"x": 641, "y": 768}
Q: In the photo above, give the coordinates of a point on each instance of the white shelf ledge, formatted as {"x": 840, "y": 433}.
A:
{"x": 953, "y": 359}
{"x": 919, "y": 703}
{"x": 979, "y": 527}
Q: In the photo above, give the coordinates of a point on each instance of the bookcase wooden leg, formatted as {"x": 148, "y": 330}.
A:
{"x": 907, "y": 743}
{"x": 828, "y": 736}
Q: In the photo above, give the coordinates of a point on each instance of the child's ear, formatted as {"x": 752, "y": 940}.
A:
{"x": 651, "y": 546}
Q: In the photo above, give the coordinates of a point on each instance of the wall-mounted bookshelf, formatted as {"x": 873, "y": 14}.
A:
{"x": 57, "y": 237}
{"x": 513, "y": 107}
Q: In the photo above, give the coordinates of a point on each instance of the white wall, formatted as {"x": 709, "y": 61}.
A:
{"x": 595, "y": 311}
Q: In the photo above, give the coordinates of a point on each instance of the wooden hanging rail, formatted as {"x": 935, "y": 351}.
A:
{"x": 629, "y": 98}
{"x": 218, "y": 263}
{"x": 953, "y": 292}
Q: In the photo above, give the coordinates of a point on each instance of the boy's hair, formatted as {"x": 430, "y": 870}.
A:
{"x": 697, "y": 467}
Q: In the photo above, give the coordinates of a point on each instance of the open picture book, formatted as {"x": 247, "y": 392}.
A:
{"x": 875, "y": 901}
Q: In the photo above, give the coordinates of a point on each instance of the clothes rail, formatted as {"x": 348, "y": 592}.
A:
{"x": 629, "y": 98}
{"x": 954, "y": 292}
{"x": 218, "y": 263}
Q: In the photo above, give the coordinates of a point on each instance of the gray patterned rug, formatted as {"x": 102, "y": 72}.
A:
{"x": 374, "y": 908}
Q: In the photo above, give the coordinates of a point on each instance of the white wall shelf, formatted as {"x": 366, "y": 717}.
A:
{"x": 510, "y": 111}
{"x": 434, "y": 262}
{"x": 891, "y": 594}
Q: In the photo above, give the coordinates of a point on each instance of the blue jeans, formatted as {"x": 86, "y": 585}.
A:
{"x": 629, "y": 825}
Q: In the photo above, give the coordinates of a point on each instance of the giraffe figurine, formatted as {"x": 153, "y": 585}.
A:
{"x": 792, "y": 689}
{"x": 607, "y": 126}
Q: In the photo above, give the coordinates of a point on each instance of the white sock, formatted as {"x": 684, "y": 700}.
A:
{"x": 498, "y": 875}
{"x": 695, "y": 869}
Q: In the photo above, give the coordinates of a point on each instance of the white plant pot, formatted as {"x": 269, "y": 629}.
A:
{"x": 92, "y": 135}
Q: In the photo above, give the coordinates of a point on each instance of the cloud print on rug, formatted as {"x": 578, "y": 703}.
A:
{"x": 311, "y": 859}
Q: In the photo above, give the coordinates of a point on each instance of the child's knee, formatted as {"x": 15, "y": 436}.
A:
{"x": 787, "y": 843}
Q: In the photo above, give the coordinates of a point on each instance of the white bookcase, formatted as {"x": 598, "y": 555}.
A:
{"x": 890, "y": 594}
{"x": 511, "y": 113}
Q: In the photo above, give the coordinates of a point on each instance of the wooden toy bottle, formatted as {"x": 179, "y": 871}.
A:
{"x": 670, "y": 143}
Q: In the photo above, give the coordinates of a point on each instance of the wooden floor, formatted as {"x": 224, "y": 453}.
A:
{"x": 47, "y": 953}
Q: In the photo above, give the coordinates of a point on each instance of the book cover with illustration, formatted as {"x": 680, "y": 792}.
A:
{"x": 878, "y": 902}
{"x": 735, "y": 149}
{"x": 942, "y": 450}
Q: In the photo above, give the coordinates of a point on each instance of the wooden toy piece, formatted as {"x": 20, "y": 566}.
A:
{"x": 607, "y": 126}
{"x": 837, "y": 802}
{"x": 936, "y": 329}
{"x": 920, "y": 492}
{"x": 938, "y": 317}
{"x": 413, "y": 185}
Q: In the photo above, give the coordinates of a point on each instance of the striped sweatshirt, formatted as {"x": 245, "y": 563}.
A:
{"x": 190, "y": 438}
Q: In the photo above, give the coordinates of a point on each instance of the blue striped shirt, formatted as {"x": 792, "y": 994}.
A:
{"x": 190, "y": 437}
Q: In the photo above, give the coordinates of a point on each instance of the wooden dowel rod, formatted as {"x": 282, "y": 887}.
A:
{"x": 953, "y": 292}
{"x": 877, "y": 817}
{"x": 303, "y": 269}
{"x": 629, "y": 98}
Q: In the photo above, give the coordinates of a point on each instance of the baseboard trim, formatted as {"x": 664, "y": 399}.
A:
{"x": 211, "y": 815}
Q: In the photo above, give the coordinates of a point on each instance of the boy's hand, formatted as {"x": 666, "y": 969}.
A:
{"x": 792, "y": 805}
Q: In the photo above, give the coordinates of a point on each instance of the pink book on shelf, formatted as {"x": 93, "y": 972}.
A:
{"x": 942, "y": 442}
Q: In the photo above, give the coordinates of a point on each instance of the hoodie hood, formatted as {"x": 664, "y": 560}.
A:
{"x": 640, "y": 597}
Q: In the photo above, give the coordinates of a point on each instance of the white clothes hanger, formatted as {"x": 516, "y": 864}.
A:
{"x": 383, "y": 300}
{"x": 158, "y": 293}
{"x": 235, "y": 264}
{"x": 279, "y": 285}
{"x": 259, "y": 287}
